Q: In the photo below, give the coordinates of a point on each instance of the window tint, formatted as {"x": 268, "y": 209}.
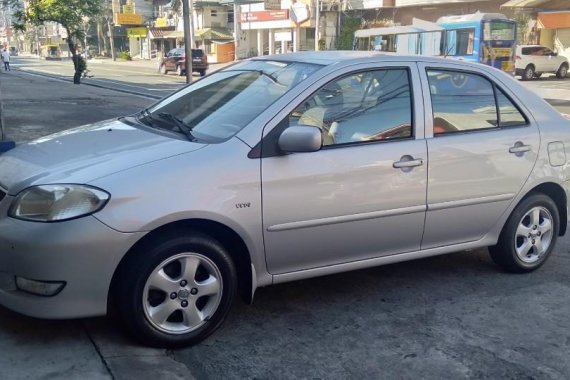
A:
{"x": 461, "y": 102}
{"x": 366, "y": 106}
{"x": 221, "y": 105}
{"x": 509, "y": 114}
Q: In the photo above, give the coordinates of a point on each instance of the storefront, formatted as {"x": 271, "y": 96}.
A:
{"x": 555, "y": 31}
{"x": 268, "y": 28}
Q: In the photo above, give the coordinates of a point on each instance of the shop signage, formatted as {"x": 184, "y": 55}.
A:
{"x": 163, "y": 22}
{"x": 129, "y": 8}
{"x": 282, "y": 14}
{"x": 299, "y": 12}
{"x": 128, "y": 19}
{"x": 136, "y": 32}
{"x": 372, "y": 4}
{"x": 283, "y": 36}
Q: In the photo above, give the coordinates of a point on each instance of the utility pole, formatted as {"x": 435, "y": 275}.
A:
{"x": 187, "y": 16}
{"x": 236, "y": 27}
{"x": 317, "y": 28}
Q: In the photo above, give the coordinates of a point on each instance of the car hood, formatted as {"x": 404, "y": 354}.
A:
{"x": 82, "y": 154}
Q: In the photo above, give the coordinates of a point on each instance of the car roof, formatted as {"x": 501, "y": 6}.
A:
{"x": 346, "y": 57}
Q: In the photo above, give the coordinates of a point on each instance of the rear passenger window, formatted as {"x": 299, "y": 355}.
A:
{"x": 461, "y": 102}
{"x": 509, "y": 114}
{"x": 464, "y": 102}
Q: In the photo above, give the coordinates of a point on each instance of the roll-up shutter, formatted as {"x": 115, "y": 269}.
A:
{"x": 562, "y": 42}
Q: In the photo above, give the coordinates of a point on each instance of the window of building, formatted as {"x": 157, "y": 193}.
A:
{"x": 362, "y": 107}
{"x": 213, "y": 13}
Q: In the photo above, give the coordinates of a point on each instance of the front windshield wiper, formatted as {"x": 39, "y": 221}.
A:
{"x": 186, "y": 130}
{"x": 181, "y": 125}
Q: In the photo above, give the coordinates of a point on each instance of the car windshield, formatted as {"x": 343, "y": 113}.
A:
{"x": 217, "y": 107}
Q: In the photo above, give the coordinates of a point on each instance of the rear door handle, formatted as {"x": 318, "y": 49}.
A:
{"x": 407, "y": 162}
{"x": 519, "y": 148}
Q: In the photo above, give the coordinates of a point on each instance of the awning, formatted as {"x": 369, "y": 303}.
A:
{"x": 155, "y": 33}
{"x": 214, "y": 34}
{"x": 553, "y": 20}
{"x": 201, "y": 34}
{"x": 523, "y": 3}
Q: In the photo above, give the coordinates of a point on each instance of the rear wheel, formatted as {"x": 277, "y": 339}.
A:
{"x": 562, "y": 71}
{"x": 529, "y": 235}
{"x": 177, "y": 290}
{"x": 528, "y": 73}
{"x": 202, "y": 72}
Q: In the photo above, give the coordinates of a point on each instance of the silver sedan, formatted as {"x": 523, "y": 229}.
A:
{"x": 277, "y": 169}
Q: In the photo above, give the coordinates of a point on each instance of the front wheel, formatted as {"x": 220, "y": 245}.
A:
{"x": 176, "y": 291}
{"x": 562, "y": 71}
{"x": 529, "y": 235}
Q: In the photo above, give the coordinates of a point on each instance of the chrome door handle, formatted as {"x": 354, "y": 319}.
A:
{"x": 519, "y": 148}
{"x": 407, "y": 163}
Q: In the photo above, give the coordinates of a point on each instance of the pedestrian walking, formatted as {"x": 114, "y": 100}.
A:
{"x": 6, "y": 59}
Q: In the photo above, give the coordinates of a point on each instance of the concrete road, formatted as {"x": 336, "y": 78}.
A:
{"x": 455, "y": 316}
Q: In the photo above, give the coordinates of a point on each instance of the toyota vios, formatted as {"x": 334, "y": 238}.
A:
{"x": 277, "y": 169}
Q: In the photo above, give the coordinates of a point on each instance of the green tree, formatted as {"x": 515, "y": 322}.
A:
{"x": 70, "y": 14}
{"x": 348, "y": 26}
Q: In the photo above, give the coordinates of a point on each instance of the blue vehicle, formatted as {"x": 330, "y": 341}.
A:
{"x": 488, "y": 38}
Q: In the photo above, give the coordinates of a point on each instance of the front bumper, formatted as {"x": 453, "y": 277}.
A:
{"x": 83, "y": 253}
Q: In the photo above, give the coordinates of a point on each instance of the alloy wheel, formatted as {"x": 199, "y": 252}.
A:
{"x": 534, "y": 235}
{"x": 182, "y": 293}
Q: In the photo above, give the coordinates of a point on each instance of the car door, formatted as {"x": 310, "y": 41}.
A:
{"x": 549, "y": 61}
{"x": 363, "y": 194}
{"x": 480, "y": 154}
{"x": 171, "y": 59}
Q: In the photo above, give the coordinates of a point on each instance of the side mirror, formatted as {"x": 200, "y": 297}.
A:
{"x": 300, "y": 139}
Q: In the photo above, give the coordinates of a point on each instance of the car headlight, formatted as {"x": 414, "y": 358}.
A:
{"x": 56, "y": 203}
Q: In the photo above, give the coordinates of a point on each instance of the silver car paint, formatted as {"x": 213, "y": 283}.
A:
{"x": 85, "y": 153}
{"x": 219, "y": 183}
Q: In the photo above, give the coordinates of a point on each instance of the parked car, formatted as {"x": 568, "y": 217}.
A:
{"x": 277, "y": 169}
{"x": 175, "y": 60}
{"x": 531, "y": 61}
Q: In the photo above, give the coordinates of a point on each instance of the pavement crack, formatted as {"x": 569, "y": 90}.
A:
{"x": 98, "y": 350}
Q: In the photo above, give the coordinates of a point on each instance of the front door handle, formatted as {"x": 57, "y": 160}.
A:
{"x": 519, "y": 148}
{"x": 408, "y": 162}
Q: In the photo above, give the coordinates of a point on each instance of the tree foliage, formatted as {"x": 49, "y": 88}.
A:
{"x": 70, "y": 14}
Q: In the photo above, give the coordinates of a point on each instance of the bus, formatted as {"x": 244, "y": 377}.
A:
{"x": 488, "y": 38}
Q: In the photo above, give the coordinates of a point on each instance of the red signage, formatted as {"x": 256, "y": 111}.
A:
{"x": 282, "y": 14}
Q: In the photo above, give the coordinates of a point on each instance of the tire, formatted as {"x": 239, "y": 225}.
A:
{"x": 162, "y": 69}
{"x": 562, "y": 71}
{"x": 202, "y": 72}
{"x": 160, "y": 306}
{"x": 528, "y": 73}
{"x": 529, "y": 236}
{"x": 179, "y": 71}
{"x": 537, "y": 75}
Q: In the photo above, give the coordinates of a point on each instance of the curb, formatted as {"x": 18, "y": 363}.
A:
{"x": 64, "y": 79}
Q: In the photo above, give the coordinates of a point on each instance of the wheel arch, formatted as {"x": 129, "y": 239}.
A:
{"x": 230, "y": 239}
{"x": 558, "y": 195}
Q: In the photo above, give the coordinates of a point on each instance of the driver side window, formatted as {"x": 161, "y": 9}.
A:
{"x": 361, "y": 107}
